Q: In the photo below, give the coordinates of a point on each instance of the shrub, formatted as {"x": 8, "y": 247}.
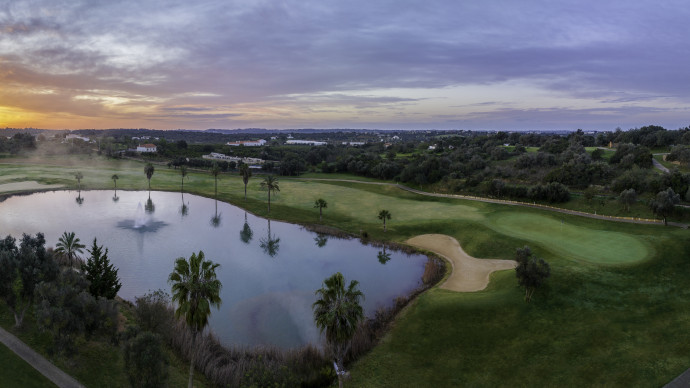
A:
{"x": 145, "y": 361}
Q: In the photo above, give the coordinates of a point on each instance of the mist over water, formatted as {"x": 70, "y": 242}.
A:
{"x": 269, "y": 271}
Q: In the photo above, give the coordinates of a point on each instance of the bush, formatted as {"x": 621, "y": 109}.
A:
{"x": 154, "y": 313}
{"x": 145, "y": 361}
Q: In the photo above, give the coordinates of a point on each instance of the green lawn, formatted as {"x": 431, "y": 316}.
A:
{"x": 17, "y": 373}
{"x": 615, "y": 311}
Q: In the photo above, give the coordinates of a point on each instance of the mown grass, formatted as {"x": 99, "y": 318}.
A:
{"x": 18, "y": 373}
{"x": 610, "y": 325}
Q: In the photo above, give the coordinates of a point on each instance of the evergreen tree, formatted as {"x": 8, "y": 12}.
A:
{"x": 101, "y": 273}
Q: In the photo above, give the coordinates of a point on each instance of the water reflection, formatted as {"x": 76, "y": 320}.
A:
{"x": 184, "y": 209}
{"x": 270, "y": 244}
{"x": 115, "y": 197}
{"x": 149, "y": 207}
{"x": 383, "y": 256}
{"x": 321, "y": 240}
{"x": 246, "y": 233}
{"x": 215, "y": 220}
{"x": 79, "y": 198}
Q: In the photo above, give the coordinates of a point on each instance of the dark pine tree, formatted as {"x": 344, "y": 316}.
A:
{"x": 101, "y": 273}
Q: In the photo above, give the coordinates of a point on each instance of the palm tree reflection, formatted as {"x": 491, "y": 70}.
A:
{"x": 215, "y": 220}
{"x": 246, "y": 233}
{"x": 270, "y": 244}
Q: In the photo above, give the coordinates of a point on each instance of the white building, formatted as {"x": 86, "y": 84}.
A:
{"x": 247, "y": 143}
{"x": 236, "y": 159}
{"x": 354, "y": 143}
{"x": 306, "y": 142}
{"x": 147, "y": 148}
{"x": 72, "y": 137}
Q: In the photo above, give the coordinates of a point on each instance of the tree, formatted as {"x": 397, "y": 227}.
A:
{"x": 589, "y": 193}
{"x": 195, "y": 288}
{"x": 270, "y": 184}
{"x": 628, "y": 197}
{"x": 320, "y": 204}
{"x": 21, "y": 270}
{"x": 384, "y": 215}
{"x": 246, "y": 173}
{"x": 101, "y": 274}
{"x": 69, "y": 246}
{"x": 79, "y": 176}
{"x": 338, "y": 312}
{"x": 215, "y": 171}
{"x": 183, "y": 173}
{"x": 530, "y": 271}
{"x": 148, "y": 170}
{"x": 66, "y": 309}
{"x": 145, "y": 361}
{"x": 664, "y": 203}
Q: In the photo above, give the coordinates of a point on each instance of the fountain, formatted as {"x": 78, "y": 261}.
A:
{"x": 141, "y": 219}
{"x": 142, "y": 222}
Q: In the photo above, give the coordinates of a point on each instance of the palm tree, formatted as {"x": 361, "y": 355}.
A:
{"x": 246, "y": 174}
{"x": 338, "y": 312}
{"x": 215, "y": 171}
{"x": 384, "y": 215}
{"x": 78, "y": 176}
{"x": 270, "y": 183}
{"x": 148, "y": 170}
{"x": 69, "y": 245}
{"x": 183, "y": 172}
{"x": 195, "y": 288}
{"x": 320, "y": 204}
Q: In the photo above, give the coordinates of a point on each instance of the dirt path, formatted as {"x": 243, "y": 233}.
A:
{"x": 468, "y": 274}
{"x": 45, "y": 367}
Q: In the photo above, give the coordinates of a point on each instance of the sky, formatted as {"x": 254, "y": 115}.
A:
{"x": 433, "y": 64}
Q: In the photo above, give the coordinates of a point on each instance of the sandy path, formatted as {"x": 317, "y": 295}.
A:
{"x": 468, "y": 274}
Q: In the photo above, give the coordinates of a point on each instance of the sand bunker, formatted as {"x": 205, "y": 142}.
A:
{"x": 25, "y": 186}
{"x": 468, "y": 274}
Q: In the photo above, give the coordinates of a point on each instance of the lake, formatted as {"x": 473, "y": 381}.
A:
{"x": 269, "y": 269}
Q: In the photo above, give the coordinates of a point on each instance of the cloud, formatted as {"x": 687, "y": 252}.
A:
{"x": 263, "y": 57}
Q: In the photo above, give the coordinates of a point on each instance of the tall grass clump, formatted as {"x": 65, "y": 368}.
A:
{"x": 233, "y": 366}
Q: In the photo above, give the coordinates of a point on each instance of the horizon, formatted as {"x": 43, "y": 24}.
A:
{"x": 443, "y": 65}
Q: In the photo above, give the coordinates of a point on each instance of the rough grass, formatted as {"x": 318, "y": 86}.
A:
{"x": 17, "y": 373}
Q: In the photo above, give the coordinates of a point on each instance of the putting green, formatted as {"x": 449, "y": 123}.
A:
{"x": 571, "y": 241}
